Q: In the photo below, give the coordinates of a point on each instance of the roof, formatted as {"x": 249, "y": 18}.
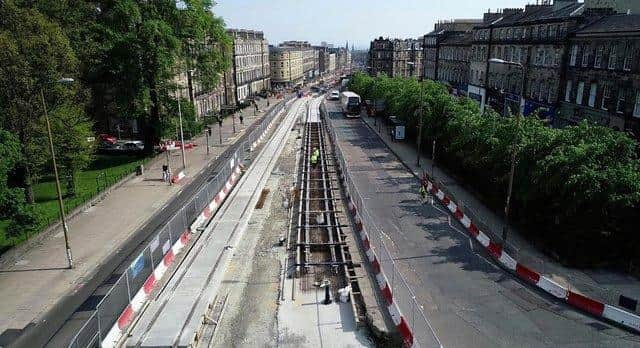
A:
{"x": 535, "y": 13}
{"x": 457, "y": 39}
{"x": 612, "y": 24}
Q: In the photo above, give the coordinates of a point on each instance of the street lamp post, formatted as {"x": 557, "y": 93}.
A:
{"x": 184, "y": 159}
{"x": 65, "y": 228}
{"x": 507, "y": 208}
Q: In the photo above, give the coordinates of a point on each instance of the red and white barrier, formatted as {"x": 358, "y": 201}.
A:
{"x": 141, "y": 297}
{"x": 126, "y": 317}
{"x": 394, "y": 311}
{"x": 216, "y": 202}
{"x": 178, "y": 177}
{"x": 591, "y": 306}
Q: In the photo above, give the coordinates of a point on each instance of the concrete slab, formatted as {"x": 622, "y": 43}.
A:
{"x": 306, "y": 322}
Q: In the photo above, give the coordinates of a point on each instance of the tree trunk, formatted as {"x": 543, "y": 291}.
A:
{"x": 28, "y": 186}
{"x": 70, "y": 178}
{"x": 151, "y": 124}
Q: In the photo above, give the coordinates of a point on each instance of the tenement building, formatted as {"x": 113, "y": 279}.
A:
{"x": 603, "y": 74}
{"x": 309, "y": 57}
{"x": 395, "y": 57}
{"x": 431, "y": 43}
{"x": 453, "y": 62}
{"x": 251, "y": 72}
{"x": 287, "y": 66}
{"x": 525, "y": 66}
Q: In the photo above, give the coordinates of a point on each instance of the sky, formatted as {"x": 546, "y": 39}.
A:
{"x": 356, "y": 21}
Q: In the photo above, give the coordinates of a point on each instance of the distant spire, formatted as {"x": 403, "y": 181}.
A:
{"x": 347, "y": 45}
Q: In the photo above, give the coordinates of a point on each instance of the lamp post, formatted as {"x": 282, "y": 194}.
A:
{"x": 507, "y": 208}
{"x": 65, "y": 228}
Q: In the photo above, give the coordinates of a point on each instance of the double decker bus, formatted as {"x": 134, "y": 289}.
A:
{"x": 351, "y": 104}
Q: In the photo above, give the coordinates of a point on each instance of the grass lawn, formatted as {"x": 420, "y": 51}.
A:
{"x": 103, "y": 172}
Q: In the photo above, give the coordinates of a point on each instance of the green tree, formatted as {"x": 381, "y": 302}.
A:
{"x": 147, "y": 43}
{"x": 73, "y": 142}
{"x": 171, "y": 123}
{"x": 13, "y": 206}
{"x": 34, "y": 53}
{"x": 577, "y": 189}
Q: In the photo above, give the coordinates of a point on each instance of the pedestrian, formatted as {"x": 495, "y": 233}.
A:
{"x": 268, "y": 101}
{"x": 219, "y": 121}
{"x": 165, "y": 173}
{"x": 423, "y": 192}
{"x": 241, "y": 119}
{"x": 255, "y": 106}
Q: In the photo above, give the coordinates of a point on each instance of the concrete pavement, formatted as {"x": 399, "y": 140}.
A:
{"x": 468, "y": 300}
{"x": 39, "y": 282}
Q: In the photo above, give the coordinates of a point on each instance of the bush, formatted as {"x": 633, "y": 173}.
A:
{"x": 576, "y": 189}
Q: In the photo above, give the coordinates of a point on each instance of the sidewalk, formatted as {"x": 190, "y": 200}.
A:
{"x": 602, "y": 284}
{"x": 39, "y": 279}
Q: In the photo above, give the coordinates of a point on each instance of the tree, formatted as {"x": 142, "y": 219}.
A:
{"x": 72, "y": 138}
{"x": 577, "y": 189}
{"x": 147, "y": 43}
{"x": 34, "y": 53}
{"x": 13, "y": 206}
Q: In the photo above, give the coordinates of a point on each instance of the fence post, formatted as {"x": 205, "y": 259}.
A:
{"x": 393, "y": 276}
{"x": 413, "y": 312}
{"x": 128, "y": 286}
{"x": 97, "y": 314}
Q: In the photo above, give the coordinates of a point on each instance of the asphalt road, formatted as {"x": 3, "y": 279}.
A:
{"x": 70, "y": 314}
{"x": 469, "y": 301}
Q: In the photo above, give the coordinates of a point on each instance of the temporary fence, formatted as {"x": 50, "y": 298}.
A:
{"x": 143, "y": 271}
{"x": 406, "y": 311}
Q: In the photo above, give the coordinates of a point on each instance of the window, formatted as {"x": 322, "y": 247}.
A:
{"x": 636, "y": 110}
{"x": 543, "y": 90}
{"x": 546, "y": 58}
{"x": 553, "y": 31}
{"x": 507, "y": 53}
{"x": 556, "y": 60}
{"x": 628, "y": 58}
{"x": 510, "y": 33}
{"x": 552, "y": 92}
{"x": 585, "y": 55}
{"x": 535, "y": 87}
{"x": 579, "y": 93}
{"x": 599, "y": 52}
{"x": 613, "y": 57}
{"x": 525, "y": 33}
{"x": 574, "y": 54}
{"x": 567, "y": 92}
{"x": 621, "y": 100}
{"x": 534, "y": 34}
{"x": 543, "y": 31}
{"x": 606, "y": 96}
{"x": 592, "y": 94}
{"x": 539, "y": 56}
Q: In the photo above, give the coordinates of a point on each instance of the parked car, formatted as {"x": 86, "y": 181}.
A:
{"x": 106, "y": 138}
{"x": 133, "y": 145}
{"x": 335, "y": 95}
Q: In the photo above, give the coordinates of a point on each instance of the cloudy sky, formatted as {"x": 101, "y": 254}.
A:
{"x": 358, "y": 21}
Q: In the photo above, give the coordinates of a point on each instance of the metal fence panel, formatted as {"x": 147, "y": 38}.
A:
{"x": 111, "y": 306}
{"x": 139, "y": 270}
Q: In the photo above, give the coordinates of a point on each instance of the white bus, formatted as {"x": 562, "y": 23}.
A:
{"x": 351, "y": 104}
